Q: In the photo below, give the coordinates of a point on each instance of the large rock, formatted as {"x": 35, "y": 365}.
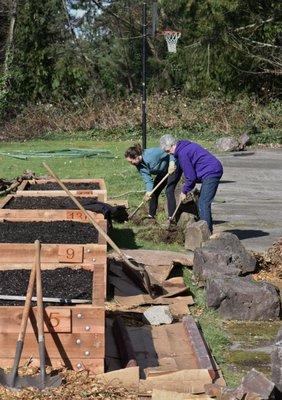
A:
{"x": 196, "y": 234}
{"x": 241, "y": 298}
{"x": 257, "y": 383}
{"x": 276, "y": 362}
{"x": 158, "y": 315}
{"x": 222, "y": 254}
{"x": 227, "y": 144}
{"x": 185, "y": 219}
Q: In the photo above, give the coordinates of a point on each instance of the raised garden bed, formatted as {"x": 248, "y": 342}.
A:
{"x": 74, "y": 335}
{"x": 78, "y": 187}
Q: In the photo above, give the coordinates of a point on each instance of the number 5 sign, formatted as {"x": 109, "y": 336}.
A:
{"x": 70, "y": 253}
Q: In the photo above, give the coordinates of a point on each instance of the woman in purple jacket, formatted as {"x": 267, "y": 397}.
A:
{"x": 198, "y": 166}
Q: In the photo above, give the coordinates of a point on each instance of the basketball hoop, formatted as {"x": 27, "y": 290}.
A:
{"x": 171, "y": 38}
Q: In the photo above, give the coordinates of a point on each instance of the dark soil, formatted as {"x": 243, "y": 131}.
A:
{"x": 61, "y": 282}
{"x": 48, "y": 232}
{"x": 56, "y": 186}
{"x": 43, "y": 203}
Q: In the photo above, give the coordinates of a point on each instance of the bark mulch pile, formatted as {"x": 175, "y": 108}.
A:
{"x": 64, "y": 283}
{"x": 56, "y": 186}
{"x": 76, "y": 386}
{"x": 43, "y": 203}
{"x": 48, "y": 232}
{"x": 270, "y": 262}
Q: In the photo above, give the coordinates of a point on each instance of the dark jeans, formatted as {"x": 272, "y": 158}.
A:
{"x": 207, "y": 194}
{"x": 170, "y": 184}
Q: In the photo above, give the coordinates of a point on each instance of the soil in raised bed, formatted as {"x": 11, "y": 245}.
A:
{"x": 64, "y": 283}
{"x": 48, "y": 232}
{"x": 117, "y": 213}
{"x": 69, "y": 185}
{"x": 45, "y": 203}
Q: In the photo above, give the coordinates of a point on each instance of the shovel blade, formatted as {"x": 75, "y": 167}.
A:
{"x": 48, "y": 382}
{"x": 13, "y": 383}
{"x": 22, "y": 382}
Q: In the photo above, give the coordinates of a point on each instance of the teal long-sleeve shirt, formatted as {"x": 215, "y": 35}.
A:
{"x": 154, "y": 161}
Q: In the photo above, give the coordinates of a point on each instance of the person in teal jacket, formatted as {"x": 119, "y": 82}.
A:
{"x": 155, "y": 161}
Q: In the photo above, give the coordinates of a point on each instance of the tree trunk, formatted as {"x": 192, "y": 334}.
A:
{"x": 10, "y": 36}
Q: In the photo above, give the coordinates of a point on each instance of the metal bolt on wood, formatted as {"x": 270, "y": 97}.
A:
{"x": 87, "y": 328}
{"x": 87, "y": 353}
{"x": 79, "y": 316}
{"x": 78, "y": 341}
{"x": 79, "y": 366}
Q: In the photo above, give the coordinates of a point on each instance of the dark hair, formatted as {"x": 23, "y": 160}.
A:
{"x": 133, "y": 151}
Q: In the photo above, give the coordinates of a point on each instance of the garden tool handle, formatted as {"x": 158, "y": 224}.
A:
{"x": 155, "y": 188}
{"x": 40, "y": 318}
{"x": 175, "y": 211}
{"x": 27, "y": 304}
{"x": 92, "y": 220}
{"x": 39, "y": 295}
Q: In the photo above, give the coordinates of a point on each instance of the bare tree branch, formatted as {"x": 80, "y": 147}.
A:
{"x": 254, "y": 25}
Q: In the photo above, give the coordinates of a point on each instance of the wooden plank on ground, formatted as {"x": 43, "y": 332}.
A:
{"x": 126, "y": 377}
{"x": 159, "y": 394}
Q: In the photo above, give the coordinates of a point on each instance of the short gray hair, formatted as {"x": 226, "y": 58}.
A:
{"x": 166, "y": 141}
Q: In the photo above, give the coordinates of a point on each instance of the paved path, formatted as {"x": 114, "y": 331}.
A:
{"x": 249, "y": 198}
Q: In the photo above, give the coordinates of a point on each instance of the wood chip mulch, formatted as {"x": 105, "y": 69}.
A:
{"x": 76, "y": 386}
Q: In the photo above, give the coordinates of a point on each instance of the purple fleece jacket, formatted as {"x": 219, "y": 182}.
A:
{"x": 196, "y": 163}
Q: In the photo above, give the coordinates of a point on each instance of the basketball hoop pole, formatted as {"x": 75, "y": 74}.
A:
{"x": 144, "y": 76}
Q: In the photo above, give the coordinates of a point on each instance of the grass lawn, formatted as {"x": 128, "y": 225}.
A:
{"x": 121, "y": 178}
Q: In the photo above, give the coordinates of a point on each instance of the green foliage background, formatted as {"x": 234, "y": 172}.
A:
{"x": 82, "y": 51}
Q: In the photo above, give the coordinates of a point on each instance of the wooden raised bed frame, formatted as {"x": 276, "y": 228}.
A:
{"x": 101, "y": 193}
{"x": 75, "y": 335}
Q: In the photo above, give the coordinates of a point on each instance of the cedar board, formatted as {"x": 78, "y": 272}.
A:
{"x": 101, "y": 193}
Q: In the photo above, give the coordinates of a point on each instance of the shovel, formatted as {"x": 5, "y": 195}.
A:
{"x": 43, "y": 380}
{"x": 12, "y": 380}
{"x": 140, "y": 273}
{"x": 141, "y": 204}
{"x": 171, "y": 220}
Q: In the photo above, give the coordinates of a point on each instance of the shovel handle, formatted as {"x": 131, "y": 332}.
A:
{"x": 175, "y": 211}
{"x": 40, "y": 320}
{"x": 27, "y": 303}
{"x": 155, "y": 188}
{"x": 92, "y": 220}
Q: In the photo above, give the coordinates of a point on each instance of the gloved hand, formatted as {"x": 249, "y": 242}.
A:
{"x": 185, "y": 198}
{"x": 147, "y": 196}
{"x": 182, "y": 197}
{"x": 171, "y": 167}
